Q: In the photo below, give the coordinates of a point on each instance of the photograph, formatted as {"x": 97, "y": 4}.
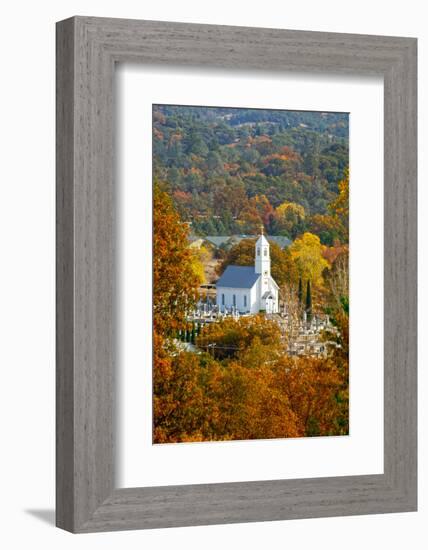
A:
{"x": 250, "y": 273}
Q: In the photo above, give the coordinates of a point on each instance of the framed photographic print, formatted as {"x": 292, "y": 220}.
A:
{"x": 236, "y": 274}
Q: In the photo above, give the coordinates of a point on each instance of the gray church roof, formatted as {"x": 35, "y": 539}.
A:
{"x": 238, "y": 276}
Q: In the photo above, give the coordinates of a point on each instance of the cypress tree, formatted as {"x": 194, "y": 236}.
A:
{"x": 193, "y": 334}
{"x": 308, "y": 307}
{"x": 300, "y": 292}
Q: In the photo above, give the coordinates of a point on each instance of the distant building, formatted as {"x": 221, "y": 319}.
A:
{"x": 281, "y": 241}
{"x": 217, "y": 241}
{"x": 249, "y": 289}
{"x": 196, "y": 243}
{"x": 227, "y": 241}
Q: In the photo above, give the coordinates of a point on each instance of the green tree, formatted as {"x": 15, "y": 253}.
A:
{"x": 300, "y": 292}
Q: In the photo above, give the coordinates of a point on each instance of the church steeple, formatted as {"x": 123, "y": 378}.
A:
{"x": 262, "y": 257}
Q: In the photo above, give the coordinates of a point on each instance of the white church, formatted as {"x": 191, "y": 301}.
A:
{"x": 249, "y": 289}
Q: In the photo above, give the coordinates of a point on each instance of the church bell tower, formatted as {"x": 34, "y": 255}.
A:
{"x": 262, "y": 259}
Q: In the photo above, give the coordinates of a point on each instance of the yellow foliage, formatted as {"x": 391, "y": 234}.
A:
{"x": 288, "y": 215}
{"x": 307, "y": 254}
{"x": 290, "y": 209}
{"x": 197, "y": 265}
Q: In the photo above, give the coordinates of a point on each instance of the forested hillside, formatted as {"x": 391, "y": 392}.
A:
{"x": 231, "y": 170}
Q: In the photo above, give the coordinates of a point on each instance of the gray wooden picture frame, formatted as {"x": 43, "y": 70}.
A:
{"x": 87, "y": 50}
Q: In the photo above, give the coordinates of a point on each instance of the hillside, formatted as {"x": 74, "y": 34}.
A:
{"x": 231, "y": 170}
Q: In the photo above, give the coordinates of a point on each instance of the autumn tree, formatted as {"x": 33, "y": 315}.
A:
{"x": 330, "y": 253}
{"x": 241, "y": 253}
{"x": 339, "y": 208}
{"x": 338, "y": 286}
{"x": 257, "y": 407}
{"x": 178, "y": 401}
{"x": 249, "y": 220}
{"x": 264, "y": 209}
{"x": 229, "y": 337}
{"x": 289, "y": 218}
{"x": 229, "y": 196}
{"x": 328, "y": 228}
{"x": 306, "y": 252}
{"x": 199, "y": 258}
{"x": 312, "y": 386}
{"x": 175, "y": 282}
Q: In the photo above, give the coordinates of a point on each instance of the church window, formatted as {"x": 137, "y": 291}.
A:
{"x": 245, "y": 300}
{"x": 222, "y": 299}
{"x": 265, "y": 251}
{"x": 258, "y": 252}
{"x": 234, "y": 299}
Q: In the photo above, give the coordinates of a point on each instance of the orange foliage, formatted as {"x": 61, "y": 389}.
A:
{"x": 157, "y": 134}
{"x": 231, "y": 167}
{"x": 230, "y": 337}
{"x": 264, "y": 208}
{"x": 174, "y": 281}
{"x": 182, "y": 196}
{"x": 330, "y": 253}
{"x": 286, "y": 154}
{"x": 246, "y": 388}
{"x": 175, "y": 137}
{"x": 311, "y": 386}
{"x": 258, "y": 139}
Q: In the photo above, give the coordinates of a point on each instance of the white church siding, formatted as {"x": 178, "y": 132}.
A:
{"x": 258, "y": 304}
{"x": 254, "y": 301}
{"x": 245, "y": 300}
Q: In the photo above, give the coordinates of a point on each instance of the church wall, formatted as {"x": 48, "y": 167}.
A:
{"x": 257, "y": 304}
{"x": 239, "y": 297}
{"x": 254, "y": 299}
